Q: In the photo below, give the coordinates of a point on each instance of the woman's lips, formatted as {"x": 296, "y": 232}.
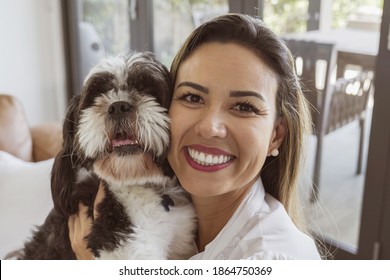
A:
{"x": 207, "y": 159}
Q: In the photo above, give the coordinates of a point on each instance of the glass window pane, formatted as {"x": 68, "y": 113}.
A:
{"x": 174, "y": 20}
{"x": 286, "y": 16}
{"x": 362, "y": 14}
{"x": 352, "y": 29}
{"x": 104, "y": 29}
{"x": 111, "y": 21}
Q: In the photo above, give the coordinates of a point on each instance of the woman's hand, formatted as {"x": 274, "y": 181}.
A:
{"x": 79, "y": 227}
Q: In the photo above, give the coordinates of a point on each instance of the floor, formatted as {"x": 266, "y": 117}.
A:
{"x": 336, "y": 214}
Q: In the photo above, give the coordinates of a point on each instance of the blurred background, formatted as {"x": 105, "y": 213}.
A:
{"x": 55, "y": 42}
{"x": 48, "y": 46}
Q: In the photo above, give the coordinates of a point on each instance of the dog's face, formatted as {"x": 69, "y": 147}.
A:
{"x": 121, "y": 124}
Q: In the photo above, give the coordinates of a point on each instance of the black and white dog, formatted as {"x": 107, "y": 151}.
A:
{"x": 117, "y": 132}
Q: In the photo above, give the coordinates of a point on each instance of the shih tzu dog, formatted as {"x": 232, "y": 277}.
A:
{"x": 116, "y": 133}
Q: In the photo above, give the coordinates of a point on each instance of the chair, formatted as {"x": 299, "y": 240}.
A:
{"x": 333, "y": 105}
{"x": 309, "y": 57}
{"x": 349, "y": 102}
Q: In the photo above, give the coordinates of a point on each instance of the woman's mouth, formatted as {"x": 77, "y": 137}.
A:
{"x": 206, "y": 159}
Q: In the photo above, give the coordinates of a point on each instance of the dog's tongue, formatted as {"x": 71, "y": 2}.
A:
{"x": 122, "y": 139}
{"x": 122, "y": 142}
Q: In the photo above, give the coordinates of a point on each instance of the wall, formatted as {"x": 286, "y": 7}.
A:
{"x": 32, "y": 57}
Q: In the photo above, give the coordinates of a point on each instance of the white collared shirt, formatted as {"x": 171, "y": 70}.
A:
{"x": 260, "y": 229}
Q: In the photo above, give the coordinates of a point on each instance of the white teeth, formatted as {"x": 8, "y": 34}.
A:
{"x": 208, "y": 159}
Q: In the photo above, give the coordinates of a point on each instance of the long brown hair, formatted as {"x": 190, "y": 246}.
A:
{"x": 279, "y": 174}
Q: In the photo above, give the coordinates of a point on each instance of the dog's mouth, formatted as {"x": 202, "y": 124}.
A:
{"x": 124, "y": 143}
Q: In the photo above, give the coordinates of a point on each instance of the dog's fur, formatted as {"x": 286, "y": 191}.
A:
{"x": 117, "y": 132}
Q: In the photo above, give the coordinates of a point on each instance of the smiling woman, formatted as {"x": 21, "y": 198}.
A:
{"x": 238, "y": 118}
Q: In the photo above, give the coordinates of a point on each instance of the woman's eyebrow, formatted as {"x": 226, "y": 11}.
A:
{"x": 194, "y": 86}
{"x": 245, "y": 93}
{"x": 235, "y": 93}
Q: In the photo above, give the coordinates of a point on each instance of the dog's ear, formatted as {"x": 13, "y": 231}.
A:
{"x": 63, "y": 175}
{"x": 165, "y": 92}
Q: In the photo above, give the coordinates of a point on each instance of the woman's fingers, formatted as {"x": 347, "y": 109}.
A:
{"x": 99, "y": 198}
{"x": 79, "y": 227}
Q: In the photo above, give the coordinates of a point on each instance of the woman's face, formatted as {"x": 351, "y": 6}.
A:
{"x": 223, "y": 119}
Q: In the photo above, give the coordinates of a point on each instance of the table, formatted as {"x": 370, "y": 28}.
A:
{"x": 354, "y": 46}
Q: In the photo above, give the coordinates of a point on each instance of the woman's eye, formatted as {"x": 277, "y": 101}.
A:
{"x": 246, "y": 108}
{"x": 193, "y": 98}
{"x": 190, "y": 98}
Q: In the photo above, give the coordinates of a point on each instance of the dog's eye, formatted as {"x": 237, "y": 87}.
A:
{"x": 96, "y": 85}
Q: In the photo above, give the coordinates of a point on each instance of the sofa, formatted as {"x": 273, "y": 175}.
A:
{"x": 26, "y": 158}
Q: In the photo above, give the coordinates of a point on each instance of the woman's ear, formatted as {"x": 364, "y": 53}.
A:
{"x": 278, "y": 134}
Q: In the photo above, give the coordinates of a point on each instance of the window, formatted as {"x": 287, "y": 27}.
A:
{"x": 110, "y": 19}
{"x": 174, "y": 20}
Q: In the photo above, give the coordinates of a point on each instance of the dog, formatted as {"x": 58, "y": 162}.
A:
{"x": 116, "y": 133}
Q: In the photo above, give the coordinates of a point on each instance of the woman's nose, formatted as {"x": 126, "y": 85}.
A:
{"x": 211, "y": 124}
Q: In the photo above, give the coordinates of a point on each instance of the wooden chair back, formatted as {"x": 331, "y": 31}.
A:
{"x": 349, "y": 100}
{"x": 314, "y": 63}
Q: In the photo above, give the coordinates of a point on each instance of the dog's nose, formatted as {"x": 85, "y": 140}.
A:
{"x": 119, "y": 109}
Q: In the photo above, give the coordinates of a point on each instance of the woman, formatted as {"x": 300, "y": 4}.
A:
{"x": 238, "y": 121}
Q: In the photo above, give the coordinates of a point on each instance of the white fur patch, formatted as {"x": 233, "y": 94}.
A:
{"x": 153, "y": 125}
{"x": 158, "y": 234}
{"x": 91, "y": 135}
{"x": 129, "y": 170}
